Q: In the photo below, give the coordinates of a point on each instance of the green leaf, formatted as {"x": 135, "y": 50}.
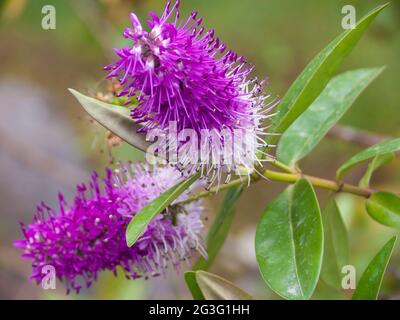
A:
{"x": 336, "y": 250}
{"x": 375, "y": 164}
{"x": 139, "y": 222}
{"x": 220, "y": 228}
{"x": 386, "y": 147}
{"x": 370, "y": 283}
{"x": 310, "y": 128}
{"x": 290, "y": 241}
{"x": 114, "y": 118}
{"x": 190, "y": 279}
{"x": 384, "y": 208}
{"x": 308, "y": 86}
{"x": 214, "y": 287}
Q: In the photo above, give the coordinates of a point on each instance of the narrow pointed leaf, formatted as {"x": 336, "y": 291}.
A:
{"x": 380, "y": 149}
{"x": 114, "y": 118}
{"x": 290, "y": 241}
{"x": 190, "y": 279}
{"x": 220, "y": 228}
{"x": 375, "y": 164}
{"x": 310, "y": 128}
{"x": 336, "y": 250}
{"x": 371, "y": 280}
{"x": 139, "y": 222}
{"x": 308, "y": 86}
{"x": 214, "y": 287}
{"x": 384, "y": 207}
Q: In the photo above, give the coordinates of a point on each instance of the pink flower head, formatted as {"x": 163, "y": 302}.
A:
{"x": 82, "y": 239}
{"x": 181, "y": 73}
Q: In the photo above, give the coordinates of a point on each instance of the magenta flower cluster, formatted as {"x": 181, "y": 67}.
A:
{"x": 180, "y": 72}
{"x": 87, "y": 237}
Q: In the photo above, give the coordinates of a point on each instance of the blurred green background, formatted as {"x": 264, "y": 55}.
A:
{"x": 48, "y": 144}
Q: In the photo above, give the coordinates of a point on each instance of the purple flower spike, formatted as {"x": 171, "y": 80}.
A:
{"x": 88, "y": 236}
{"x": 180, "y": 73}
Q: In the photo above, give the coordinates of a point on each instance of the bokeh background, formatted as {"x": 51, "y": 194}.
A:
{"x": 48, "y": 144}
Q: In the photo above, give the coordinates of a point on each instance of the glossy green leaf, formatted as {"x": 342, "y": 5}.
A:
{"x": 139, "y": 222}
{"x": 375, "y": 164}
{"x": 386, "y": 147}
{"x": 114, "y": 118}
{"x": 290, "y": 241}
{"x": 384, "y": 207}
{"x": 336, "y": 250}
{"x": 308, "y": 86}
{"x": 190, "y": 279}
{"x": 220, "y": 228}
{"x": 370, "y": 282}
{"x": 310, "y": 128}
{"x": 214, "y": 287}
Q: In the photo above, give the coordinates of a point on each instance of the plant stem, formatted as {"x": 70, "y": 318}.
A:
{"x": 238, "y": 182}
{"x": 272, "y": 161}
{"x": 289, "y": 178}
{"x": 215, "y": 190}
{"x": 317, "y": 182}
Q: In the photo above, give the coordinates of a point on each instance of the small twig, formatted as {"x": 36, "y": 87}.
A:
{"x": 360, "y": 137}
